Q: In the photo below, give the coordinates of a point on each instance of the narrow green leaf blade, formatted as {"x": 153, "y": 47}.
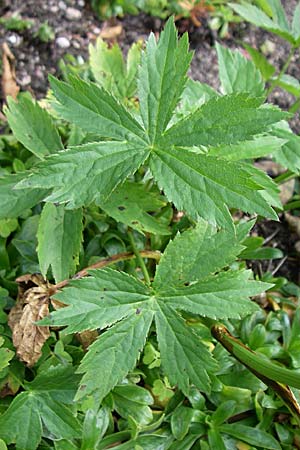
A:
{"x": 258, "y": 147}
{"x": 14, "y": 202}
{"x": 93, "y": 109}
{"x": 162, "y": 78}
{"x": 228, "y": 119}
{"x": 58, "y": 418}
{"x": 114, "y": 354}
{"x": 98, "y": 301}
{"x": 185, "y": 359}
{"x": 289, "y": 155}
{"x": 59, "y": 239}
{"x": 290, "y": 84}
{"x": 266, "y": 69}
{"x": 107, "y": 66}
{"x": 131, "y": 204}
{"x": 221, "y": 296}
{"x": 256, "y": 16}
{"x": 109, "y": 69}
{"x": 295, "y": 24}
{"x": 203, "y": 186}
{"x": 86, "y": 173}
{"x": 203, "y": 251}
{"x": 33, "y": 127}
{"x": 237, "y": 73}
{"x": 252, "y": 436}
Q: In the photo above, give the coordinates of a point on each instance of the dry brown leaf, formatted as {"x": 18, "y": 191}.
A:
{"x": 8, "y": 82}
{"x": 111, "y": 33}
{"x": 294, "y": 222}
{"x": 32, "y": 305}
{"x": 287, "y": 191}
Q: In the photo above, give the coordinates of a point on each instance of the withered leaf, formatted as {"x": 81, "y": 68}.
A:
{"x": 8, "y": 82}
{"x": 32, "y": 305}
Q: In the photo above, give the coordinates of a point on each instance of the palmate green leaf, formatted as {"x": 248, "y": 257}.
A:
{"x": 114, "y": 354}
{"x": 222, "y": 120}
{"x": 131, "y": 204}
{"x": 111, "y": 72}
{"x": 59, "y": 239}
{"x": 178, "y": 349}
{"x": 86, "y": 173}
{"x": 33, "y": 126}
{"x": 237, "y": 73}
{"x": 113, "y": 299}
{"x": 204, "y": 185}
{"x": 225, "y": 295}
{"x": 15, "y": 202}
{"x": 162, "y": 78}
{"x": 93, "y": 109}
{"x": 195, "y": 254}
{"x": 259, "y": 18}
{"x": 92, "y": 171}
{"x": 98, "y": 301}
{"x": 30, "y": 413}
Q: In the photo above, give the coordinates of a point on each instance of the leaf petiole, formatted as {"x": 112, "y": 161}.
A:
{"x": 139, "y": 258}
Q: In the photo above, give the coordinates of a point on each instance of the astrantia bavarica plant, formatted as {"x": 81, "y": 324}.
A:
{"x": 186, "y": 156}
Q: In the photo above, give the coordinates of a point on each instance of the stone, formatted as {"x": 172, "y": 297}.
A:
{"x": 73, "y": 14}
{"x": 62, "y": 42}
{"x": 14, "y": 40}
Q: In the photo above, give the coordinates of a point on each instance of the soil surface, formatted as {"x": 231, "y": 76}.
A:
{"x": 75, "y": 25}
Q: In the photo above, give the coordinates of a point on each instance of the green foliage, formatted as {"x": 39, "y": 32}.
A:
{"x": 270, "y": 15}
{"x": 123, "y": 297}
{"x": 111, "y": 72}
{"x": 33, "y": 127}
{"x": 150, "y": 156}
{"x": 54, "y": 228}
{"x": 108, "y": 163}
{"x": 16, "y": 23}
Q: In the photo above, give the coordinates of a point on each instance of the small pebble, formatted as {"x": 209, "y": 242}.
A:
{"x": 63, "y": 42}
{"x": 81, "y": 3}
{"x": 62, "y": 5}
{"x": 54, "y": 9}
{"x": 76, "y": 45}
{"x": 25, "y": 81}
{"x": 73, "y": 14}
{"x": 15, "y": 40}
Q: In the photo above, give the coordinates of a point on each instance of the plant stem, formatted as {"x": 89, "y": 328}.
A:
{"x": 295, "y": 106}
{"x": 139, "y": 258}
{"x": 286, "y": 176}
{"x": 282, "y": 72}
{"x": 104, "y": 263}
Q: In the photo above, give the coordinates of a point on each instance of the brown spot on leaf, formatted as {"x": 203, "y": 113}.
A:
{"x": 86, "y": 338}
